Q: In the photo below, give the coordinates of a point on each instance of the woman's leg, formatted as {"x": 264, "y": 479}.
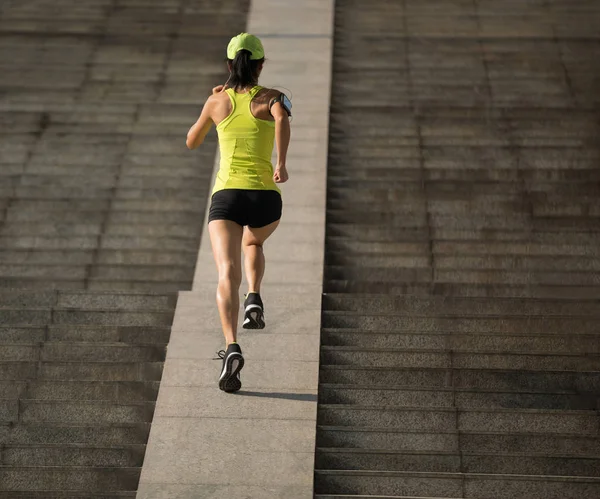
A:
{"x": 254, "y": 258}
{"x": 226, "y": 239}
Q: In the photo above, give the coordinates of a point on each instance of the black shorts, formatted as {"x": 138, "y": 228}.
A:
{"x": 254, "y": 208}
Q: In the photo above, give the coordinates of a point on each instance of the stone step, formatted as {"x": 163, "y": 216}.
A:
{"x": 66, "y": 229}
{"x": 427, "y": 258}
{"x": 85, "y": 300}
{"x": 28, "y": 299}
{"x": 67, "y": 455}
{"x": 110, "y": 317}
{"x": 466, "y": 325}
{"x": 420, "y": 218}
{"x": 47, "y": 257}
{"x": 385, "y": 357}
{"x": 96, "y": 352}
{"x": 449, "y": 419}
{"x": 463, "y": 307}
{"x": 426, "y": 274}
{"x": 50, "y": 494}
{"x": 84, "y": 412}
{"x": 349, "y": 246}
{"x": 89, "y": 371}
{"x": 106, "y": 242}
{"x": 477, "y": 290}
{"x": 146, "y": 273}
{"x": 373, "y": 484}
{"x": 44, "y": 272}
{"x": 459, "y": 398}
{"x": 133, "y": 257}
{"x": 72, "y": 433}
{"x": 66, "y": 316}
{"x": 354, "y": 437}
{"x": 99, "y": 284}
{"x": 85, "y": 479}
{"x": 381, "y": 274}
{"x": 353, "y": 496}
{"x": 523, "y": 380}
{"x": 116, "y": 391}
{"x": 452, "y": 462}
{"x": 558, "y": 344}
{"x": 138, "y": 335}
{"x": 116, "y": 301}
{"x": 439, "y": 235}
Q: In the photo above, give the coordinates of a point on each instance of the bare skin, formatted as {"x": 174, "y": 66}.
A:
{"x": 229, "y": 238}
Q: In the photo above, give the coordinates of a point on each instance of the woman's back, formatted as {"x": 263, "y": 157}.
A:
{"x": 246, "y": 144}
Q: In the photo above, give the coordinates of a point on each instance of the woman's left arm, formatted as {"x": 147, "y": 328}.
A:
{"x": 200, "y": 129}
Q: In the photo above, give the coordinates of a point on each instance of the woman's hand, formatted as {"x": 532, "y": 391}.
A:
{"x": 218, "y": 89}
{"x": 281, "y": 175}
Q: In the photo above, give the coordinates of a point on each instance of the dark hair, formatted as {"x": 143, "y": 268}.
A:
{"x": 244, "y": 71}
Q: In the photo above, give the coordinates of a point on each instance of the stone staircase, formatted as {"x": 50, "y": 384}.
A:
{"x": 101, "y": 212}
{"x": 460, "y": 350}
{"x": 79, "y": 378}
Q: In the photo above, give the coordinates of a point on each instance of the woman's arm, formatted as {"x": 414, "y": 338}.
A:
{"x": 282, "y": 137}
{"x": 200, "y": 129}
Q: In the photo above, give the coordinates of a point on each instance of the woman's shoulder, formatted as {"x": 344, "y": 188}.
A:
{"x": 265, "y": 94}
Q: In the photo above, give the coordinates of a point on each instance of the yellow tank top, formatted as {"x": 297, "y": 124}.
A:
{"x": 246, "y": 146}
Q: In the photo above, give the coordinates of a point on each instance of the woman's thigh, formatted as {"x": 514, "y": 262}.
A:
{"x": 257, "y": 236}
{"x": 226, "y": 240}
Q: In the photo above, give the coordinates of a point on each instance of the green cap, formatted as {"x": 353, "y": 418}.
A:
{"x": 245, "y": 41}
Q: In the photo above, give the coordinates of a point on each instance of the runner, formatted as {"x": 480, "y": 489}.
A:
{"x": 246, "y": 203}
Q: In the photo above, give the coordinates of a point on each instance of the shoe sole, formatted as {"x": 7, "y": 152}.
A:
{"x": 254, "y": 318}
{"x": 229, "y": 382}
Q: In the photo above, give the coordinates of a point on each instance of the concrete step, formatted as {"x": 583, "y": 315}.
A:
{"x": 459, "y": 398}
{"x": 148, "y": 273}
{"x": 138, "y": 335}
{"x": 558, "y": 344}
{"x": 466, "y": 325}
{"x": 96, "y": 371}
{"x": 346, "y": 484}
{"x": 385, "y": 357}
{"x": 116, "y": 301}
{"x": 100, "y": 352}
{"x": 100, "y": 284}
{"x": 84, "y": 412}
{"x": 68, "y": 478}
{"x": 449, "y": 419}
{"x": 80, "y": 390}
{"x": 522, "y": 380}
{"x": 110, "y": 317}
{"x": 50, "y": 494}
{"x": 132, "y": 257}
{"x": 354, "y": 437}
{"x": 31, "y": 334}
{"x": 78, "y": 316}
{"x": 72, "y": 455}
{"x": 456, "y": 306}
{"x": 379, "y": 274}
{"x": 476, "y": 290}
{"x": 72, "y": 433}
{"x": 373, "y": 484}
{"x": 452, "y": 462}
{"x": 427, "y": 274}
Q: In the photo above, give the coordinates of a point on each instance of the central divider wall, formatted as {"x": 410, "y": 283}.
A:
{"x": 260, "y": 441}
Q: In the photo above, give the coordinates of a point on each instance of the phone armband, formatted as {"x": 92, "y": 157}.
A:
{"x": 284, "y": 101}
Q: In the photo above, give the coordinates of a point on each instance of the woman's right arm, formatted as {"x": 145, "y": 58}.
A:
{"x": 282, "y": 138}
{"x": 198, "y": 132}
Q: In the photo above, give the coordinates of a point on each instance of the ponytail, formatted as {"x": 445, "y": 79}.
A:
{"x": 244, "y": 71}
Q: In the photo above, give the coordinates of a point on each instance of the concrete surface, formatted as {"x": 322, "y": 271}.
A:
{"x": 258, "y": 443}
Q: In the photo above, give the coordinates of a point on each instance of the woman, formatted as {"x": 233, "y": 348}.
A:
{"x": 246, "y": 202}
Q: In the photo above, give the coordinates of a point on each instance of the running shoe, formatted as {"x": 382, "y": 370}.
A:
{"x": 254, "y": 312}
{"x": 233, "y": 361}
